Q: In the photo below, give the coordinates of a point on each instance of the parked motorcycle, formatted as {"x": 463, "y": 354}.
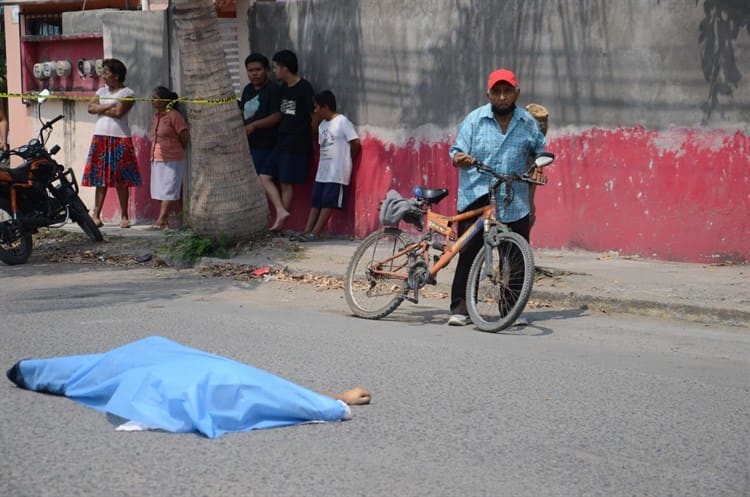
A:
{"x": 38, "y": 193}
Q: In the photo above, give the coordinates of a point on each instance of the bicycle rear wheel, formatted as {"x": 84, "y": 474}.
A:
{"x": 371, "y": 295}
{"x": 497, "y": 293}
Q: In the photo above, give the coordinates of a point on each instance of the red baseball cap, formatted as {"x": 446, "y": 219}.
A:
{"x": 501, "y": 75}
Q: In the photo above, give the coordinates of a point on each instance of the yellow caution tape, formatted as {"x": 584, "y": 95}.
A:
{"x": 62, "y": 96}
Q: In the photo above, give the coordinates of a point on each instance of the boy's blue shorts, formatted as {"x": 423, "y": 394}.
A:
{"x": 328, "y": 195}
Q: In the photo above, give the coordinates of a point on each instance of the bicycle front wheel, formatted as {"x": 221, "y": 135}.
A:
{"x": 369, "y": 292}
{"x": 500, "y": 284}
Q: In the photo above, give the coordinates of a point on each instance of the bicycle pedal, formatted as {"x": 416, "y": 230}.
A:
{"x": 413, "y": 300}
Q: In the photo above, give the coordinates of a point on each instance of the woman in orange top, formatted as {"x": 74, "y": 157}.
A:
{"x": 170, "y": 136}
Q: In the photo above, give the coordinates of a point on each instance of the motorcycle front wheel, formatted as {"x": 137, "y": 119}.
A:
{"x": 15, "y": 242}
{"x": 80, "y": 215}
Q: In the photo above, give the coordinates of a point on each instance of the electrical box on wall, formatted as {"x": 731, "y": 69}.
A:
{"x": 62, "y": 63}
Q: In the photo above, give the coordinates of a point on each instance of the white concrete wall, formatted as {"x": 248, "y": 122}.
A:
{"x": 405, "y": 64}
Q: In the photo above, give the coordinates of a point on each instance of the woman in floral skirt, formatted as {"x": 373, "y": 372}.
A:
{"x": 111, "y": 161}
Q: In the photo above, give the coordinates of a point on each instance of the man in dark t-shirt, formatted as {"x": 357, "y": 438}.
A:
{"x": 259, "y": 105}
{"x": 290, "y": 158}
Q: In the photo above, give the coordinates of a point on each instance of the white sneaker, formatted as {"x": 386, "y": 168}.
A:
{"x": 521, "y": 321}
{"x": 458, "y": 320}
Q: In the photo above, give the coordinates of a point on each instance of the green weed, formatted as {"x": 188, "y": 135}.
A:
{"x": 187, "y": 247}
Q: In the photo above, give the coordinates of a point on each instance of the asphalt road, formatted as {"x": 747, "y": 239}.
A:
{"x": 574, "y": 405}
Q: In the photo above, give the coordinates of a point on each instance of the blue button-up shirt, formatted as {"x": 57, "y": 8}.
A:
{"x": 481, "y": 137}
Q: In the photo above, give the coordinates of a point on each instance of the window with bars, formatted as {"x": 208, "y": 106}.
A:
{"x": 41, "y": 24}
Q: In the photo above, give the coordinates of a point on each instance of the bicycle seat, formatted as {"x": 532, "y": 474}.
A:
{"x": 431, "y": 195}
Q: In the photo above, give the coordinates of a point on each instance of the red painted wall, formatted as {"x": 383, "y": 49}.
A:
{"x": 680, "y": 194}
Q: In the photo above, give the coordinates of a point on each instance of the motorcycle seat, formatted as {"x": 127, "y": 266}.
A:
{"x": 15, "y": 174}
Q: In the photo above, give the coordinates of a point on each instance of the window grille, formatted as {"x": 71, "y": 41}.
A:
{"x": 42, "y": 24}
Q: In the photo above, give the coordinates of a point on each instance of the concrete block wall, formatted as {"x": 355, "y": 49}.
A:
{"x": 649, "y": 102}
{"x": 146, "y": 56}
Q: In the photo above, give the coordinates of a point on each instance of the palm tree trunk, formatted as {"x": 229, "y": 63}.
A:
{"x": 226, "y": 197}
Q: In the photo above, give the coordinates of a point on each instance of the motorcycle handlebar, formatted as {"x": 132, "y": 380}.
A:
{"x": 34, "y": 146}
{"x": 49, "y": 124}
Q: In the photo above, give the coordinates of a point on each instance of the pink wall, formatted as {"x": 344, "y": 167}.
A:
{"x": 680, "y": 194}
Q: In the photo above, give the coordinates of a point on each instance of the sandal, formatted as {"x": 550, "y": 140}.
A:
{"x": 307, "y": 237}
{"x": 98, "y": 223}
{"x": 125, "y": 223}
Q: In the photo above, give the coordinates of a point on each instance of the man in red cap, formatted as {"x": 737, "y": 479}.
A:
{"x": 503, "y": 136}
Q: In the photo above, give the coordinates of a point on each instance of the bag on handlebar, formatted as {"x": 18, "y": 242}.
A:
{"x": 395, "y": 208}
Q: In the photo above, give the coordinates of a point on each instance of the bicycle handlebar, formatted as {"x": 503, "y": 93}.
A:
{"x": 503, "y": 178}
{"x": 542, "y": 160}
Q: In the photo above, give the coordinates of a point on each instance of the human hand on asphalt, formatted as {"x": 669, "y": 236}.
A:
{"x": 356, "y": 396}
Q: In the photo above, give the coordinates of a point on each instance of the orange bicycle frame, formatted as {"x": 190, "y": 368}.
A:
{"x": 437, "y": 223}
{"x": 443, "y": 225}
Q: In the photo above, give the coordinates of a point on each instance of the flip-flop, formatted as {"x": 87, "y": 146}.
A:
{"x": 307, "y": 237}
{"x": 98, "y": 223}
{"x": 124, "y": 223}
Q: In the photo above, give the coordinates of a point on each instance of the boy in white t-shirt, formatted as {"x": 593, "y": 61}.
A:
{"x": 339, "y": 144}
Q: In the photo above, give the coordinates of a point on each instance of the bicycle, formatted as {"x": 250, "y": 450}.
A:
{"x": 389, "y": 267}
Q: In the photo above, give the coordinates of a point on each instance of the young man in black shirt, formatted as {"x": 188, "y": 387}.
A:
{"x": 259, "y": 105}
{"x": 289, "y": 161}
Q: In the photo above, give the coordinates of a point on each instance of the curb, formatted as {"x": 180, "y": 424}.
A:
{"x": 574, "y": 299}
{"x": 571, "y": 299}
{"x": 678, "y": 312}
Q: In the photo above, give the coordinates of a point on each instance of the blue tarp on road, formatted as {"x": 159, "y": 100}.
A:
{"x": 162, "y": 384}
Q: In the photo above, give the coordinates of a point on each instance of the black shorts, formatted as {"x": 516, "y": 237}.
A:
{"x": 288, "y": 167}
{"x": 260, "y": 160}
{"x": 328, "y": 195}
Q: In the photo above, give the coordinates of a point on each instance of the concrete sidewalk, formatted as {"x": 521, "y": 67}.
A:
{"x": 712, "y": 294}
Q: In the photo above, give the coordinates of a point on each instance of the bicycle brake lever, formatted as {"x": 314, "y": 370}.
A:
{"x": 528, "y": 179}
